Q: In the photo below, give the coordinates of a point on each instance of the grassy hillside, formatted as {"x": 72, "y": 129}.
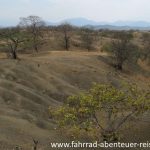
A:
{"x": 30, "y": 85}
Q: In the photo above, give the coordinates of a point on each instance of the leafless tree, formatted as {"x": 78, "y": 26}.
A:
{"x": 35, "y": 144}
{"x": 13, "y": 37}
{"x": 87, "y": 38}
{"x": 123, "y": 49}
{"x": 146, "y": 46}
{"x": 66, "y": 29}
{"x": 34, "y": 26}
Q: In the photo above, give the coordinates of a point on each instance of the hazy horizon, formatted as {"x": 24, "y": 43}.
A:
{"x": 57, "y": 10}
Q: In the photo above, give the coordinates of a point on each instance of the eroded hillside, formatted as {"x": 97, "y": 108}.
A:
{"x": 30, "y": 85}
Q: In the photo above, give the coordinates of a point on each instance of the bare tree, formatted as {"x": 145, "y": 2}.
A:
{"x": 66, "y": 29}
{"x": 34, "y": 26}
{"x": 87, "y": 38}
{"x": 123, "y": 49}
{"x": 13, "y": 38}
{"x": 146, "y": 47}
{"x": 35, "y": 144}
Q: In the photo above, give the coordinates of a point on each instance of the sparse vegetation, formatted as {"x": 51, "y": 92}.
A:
{"x": 39, "y": 80}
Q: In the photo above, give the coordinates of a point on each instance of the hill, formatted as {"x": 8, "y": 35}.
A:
{"x": 30, "y": 85}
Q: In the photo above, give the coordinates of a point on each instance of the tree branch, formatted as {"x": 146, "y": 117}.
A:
{"x": 94, "y": 115}
{"x": 126, "y": 118}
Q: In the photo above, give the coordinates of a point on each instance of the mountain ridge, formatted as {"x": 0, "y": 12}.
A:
{"x": 84, "y": 22}
{"x": 117, "y": 25}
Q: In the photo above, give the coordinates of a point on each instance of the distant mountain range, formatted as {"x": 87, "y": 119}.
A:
{"x": 118, "y": 25}
{"x": 83, "y": 22}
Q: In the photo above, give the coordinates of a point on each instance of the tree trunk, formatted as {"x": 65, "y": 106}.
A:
{"x": 35, "y": 43}
{"x": 35, "y": 144}
{"x": 36, "y": 48}
{"x": 119, "y": 66}
{"x": 66, "y": 42}
{"x": 66, "y": 45}
{"x": 14, "y": 49}
{"x": 110, "y": 136}
{"x": 14, "y": 54}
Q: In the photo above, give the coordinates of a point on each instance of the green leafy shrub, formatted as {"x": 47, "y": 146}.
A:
{"x": 102, "y": 110}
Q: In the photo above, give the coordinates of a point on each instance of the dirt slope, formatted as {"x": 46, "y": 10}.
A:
{"x": 30, "y": 85}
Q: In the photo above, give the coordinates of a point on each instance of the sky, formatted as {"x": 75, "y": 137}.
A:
{"x": 56, "y": 10}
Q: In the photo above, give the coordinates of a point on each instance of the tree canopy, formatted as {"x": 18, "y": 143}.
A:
{"x": 102, "y": 110}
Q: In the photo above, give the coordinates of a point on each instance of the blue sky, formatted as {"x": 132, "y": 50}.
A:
{"x": 55, "y": 10}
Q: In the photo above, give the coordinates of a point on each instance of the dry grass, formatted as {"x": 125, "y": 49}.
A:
{"x": 30, "y": 85}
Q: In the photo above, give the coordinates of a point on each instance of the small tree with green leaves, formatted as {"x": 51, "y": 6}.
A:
{"x": 103, "y": 110}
